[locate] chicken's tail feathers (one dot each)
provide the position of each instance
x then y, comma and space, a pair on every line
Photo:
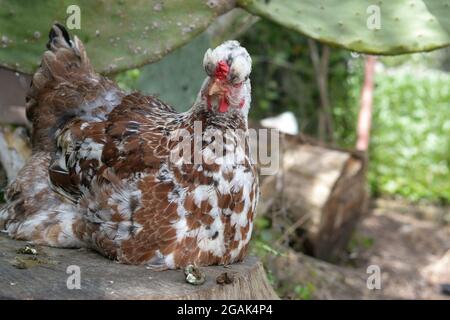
54, 91
64, 58
58, 37
69, 51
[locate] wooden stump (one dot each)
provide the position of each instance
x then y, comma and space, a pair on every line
44, 276
321, 187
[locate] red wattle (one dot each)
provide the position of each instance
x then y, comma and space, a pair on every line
223, 105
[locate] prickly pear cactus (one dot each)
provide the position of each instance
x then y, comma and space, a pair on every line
177, 82
118, 34
370, 26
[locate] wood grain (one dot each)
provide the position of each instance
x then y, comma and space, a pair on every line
105, 279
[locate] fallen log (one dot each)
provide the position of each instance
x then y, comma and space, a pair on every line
321, 190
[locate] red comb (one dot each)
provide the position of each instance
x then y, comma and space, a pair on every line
222, 70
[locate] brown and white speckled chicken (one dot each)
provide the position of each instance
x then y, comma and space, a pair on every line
103, 172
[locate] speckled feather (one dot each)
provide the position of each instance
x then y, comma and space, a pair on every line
102, 175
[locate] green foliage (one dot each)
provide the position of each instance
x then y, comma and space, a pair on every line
405, 25
283, 76
409, 153
262, 223
271, 278
119, 35
291, 290
358, 243
305, 292
128, 80
263, 238
345, 106
410, 150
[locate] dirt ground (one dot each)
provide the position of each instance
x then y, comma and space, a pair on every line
411, 245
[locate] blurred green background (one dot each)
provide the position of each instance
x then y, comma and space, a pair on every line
409, 154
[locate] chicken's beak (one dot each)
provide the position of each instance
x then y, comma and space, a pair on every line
214, 89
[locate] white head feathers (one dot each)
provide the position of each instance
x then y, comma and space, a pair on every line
236, 57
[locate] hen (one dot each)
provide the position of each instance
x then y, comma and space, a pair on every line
127, 175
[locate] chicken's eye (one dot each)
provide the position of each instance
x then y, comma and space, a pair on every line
235, 80
238, 84
209, 69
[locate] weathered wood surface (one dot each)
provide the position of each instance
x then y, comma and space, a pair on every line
101, 278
